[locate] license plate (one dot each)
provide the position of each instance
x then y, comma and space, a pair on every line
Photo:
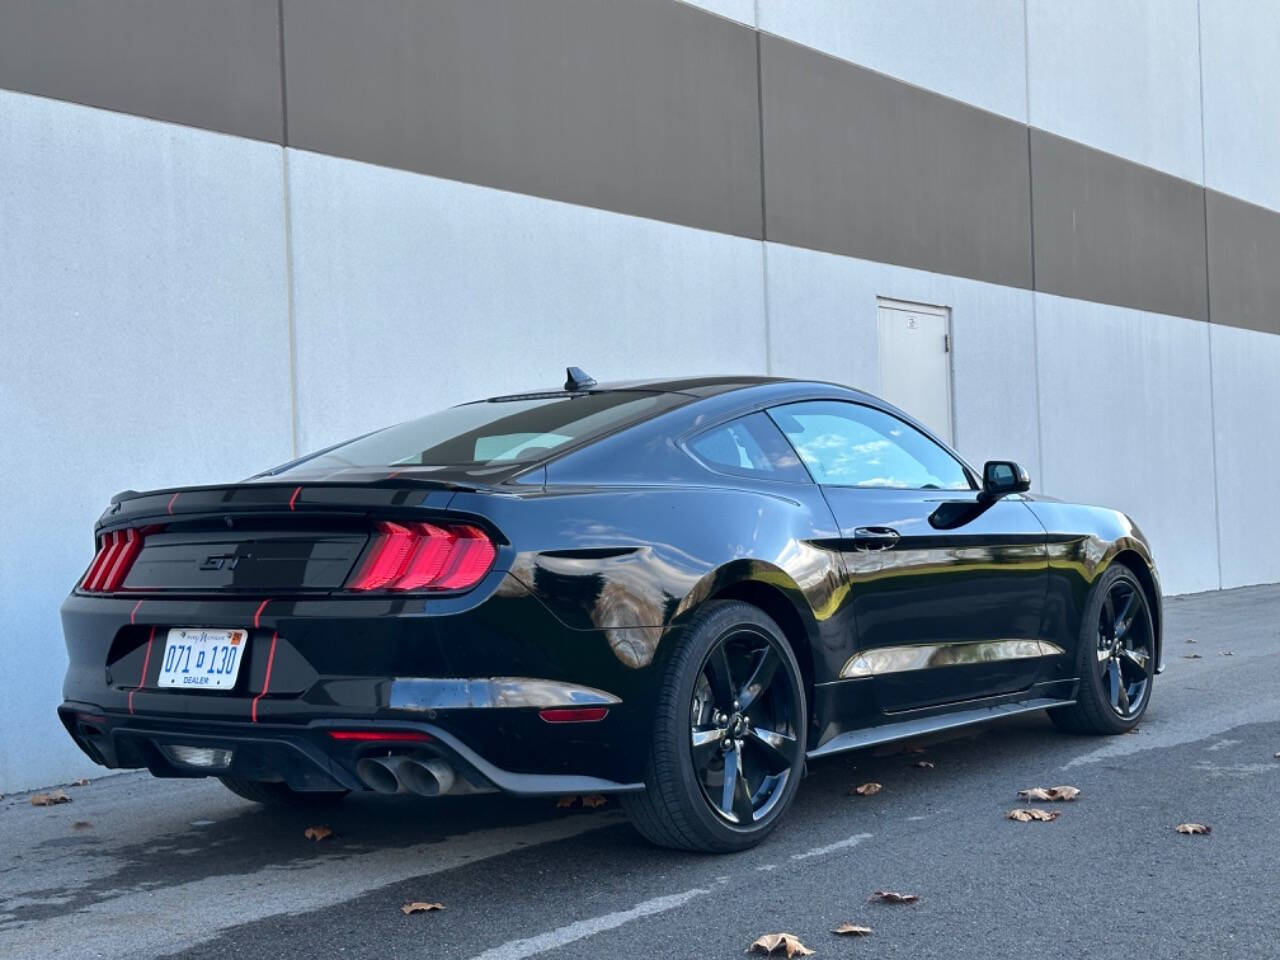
203, 659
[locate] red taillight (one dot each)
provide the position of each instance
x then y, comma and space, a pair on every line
574, 714
380, 736
116, 553
423, 556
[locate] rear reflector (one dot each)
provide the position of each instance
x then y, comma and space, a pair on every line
380, 736
574, 714
208, 758
116, 552
423, 556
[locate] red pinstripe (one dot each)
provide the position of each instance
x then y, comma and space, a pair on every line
266, 680
146, 661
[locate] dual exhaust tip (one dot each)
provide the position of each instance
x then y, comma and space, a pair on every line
424, 775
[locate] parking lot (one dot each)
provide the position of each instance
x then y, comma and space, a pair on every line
143, 868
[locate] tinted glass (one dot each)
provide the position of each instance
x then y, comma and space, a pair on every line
750, 446
496, 431
848, 444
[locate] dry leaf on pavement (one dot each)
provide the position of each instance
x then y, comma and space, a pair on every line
52, 798
82, 782
565, 802
418, 906
1051, 794
317, 833
1227, 653
852, 930
1192, 640
593, 800
868, 789
784, 944
892, 896
1192, 656
924, 765
1032, 813
1193, 828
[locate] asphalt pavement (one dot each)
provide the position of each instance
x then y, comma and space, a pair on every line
141, 868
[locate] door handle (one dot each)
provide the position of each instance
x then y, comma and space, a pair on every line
874, 538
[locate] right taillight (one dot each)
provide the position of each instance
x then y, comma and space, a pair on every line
116, 552
424, 556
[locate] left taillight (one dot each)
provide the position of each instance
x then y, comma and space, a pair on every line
424, 556
116, 552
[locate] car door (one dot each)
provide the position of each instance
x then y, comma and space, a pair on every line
947, 589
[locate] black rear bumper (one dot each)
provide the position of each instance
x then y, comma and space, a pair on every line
304, 756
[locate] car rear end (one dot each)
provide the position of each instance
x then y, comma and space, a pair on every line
293, 628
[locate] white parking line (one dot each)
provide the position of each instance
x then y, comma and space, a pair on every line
553, 939
844, 844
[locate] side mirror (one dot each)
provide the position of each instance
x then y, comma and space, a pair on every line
1002, 477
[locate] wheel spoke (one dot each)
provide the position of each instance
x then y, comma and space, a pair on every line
721, 679
742, 805
1124, 619
706, 744
1119, 689
1114, 682
776, 750
1108, 618
1139, 660
761, 678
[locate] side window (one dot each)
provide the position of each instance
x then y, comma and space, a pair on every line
750, 446
851, 445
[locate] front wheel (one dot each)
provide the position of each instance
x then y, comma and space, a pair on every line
1116, 658
727, 747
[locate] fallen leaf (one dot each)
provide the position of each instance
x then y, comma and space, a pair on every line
1051, 794
82, 782
1193, 828
565, 802
924, 765
1032, 813
317, 833
593, 800
891, 896
852, 930
868, 789
1192, 640
1132, 730
1192, 656
82, 825
1227, 653
52, 798
418, 906
787, 944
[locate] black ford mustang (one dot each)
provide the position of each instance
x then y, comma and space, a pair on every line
675, 591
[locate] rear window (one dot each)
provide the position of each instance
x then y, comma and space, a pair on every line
516, 430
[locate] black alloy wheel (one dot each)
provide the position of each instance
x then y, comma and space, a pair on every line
742, 735
1116, 658
728, 743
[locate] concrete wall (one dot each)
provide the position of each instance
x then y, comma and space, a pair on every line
190, 303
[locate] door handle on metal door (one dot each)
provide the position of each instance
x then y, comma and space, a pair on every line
874, 538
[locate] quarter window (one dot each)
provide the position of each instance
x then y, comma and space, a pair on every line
750, 446
851, 445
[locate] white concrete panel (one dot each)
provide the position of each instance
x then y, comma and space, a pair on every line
1119, 75
412, 293
744, 11
143, 343
1240, 49
1246, 412
1126, 423
970, 50
822, 323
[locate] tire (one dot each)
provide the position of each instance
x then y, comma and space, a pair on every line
1108, 703
280, 794
762, 742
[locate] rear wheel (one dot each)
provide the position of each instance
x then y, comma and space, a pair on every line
280, 794
727, 746
1116, 658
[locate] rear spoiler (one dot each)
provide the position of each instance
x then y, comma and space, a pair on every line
259, 497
